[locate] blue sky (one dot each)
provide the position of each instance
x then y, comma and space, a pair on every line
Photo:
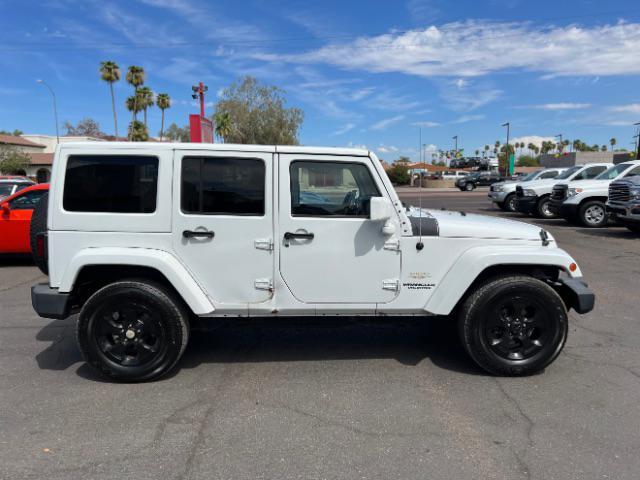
365, 72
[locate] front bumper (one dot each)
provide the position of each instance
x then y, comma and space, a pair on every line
526, 205
49, 302
624, 212
497, 197
577, 294
563, 209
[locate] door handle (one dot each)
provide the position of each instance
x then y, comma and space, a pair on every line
288, 236
304, 236
198, 234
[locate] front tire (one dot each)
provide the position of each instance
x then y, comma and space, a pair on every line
509, 204
133, 331
542, 209
513, 325
593, 214
469, 187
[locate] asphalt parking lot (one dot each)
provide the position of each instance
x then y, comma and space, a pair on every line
303, 399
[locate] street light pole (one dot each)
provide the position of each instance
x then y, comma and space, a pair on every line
55, 107
638, 142
507, 155
561, 145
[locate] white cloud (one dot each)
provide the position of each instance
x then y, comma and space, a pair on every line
479, 47
387, 149
426, 124
344, 129
382, 124
468, 118
631, 108
560, 106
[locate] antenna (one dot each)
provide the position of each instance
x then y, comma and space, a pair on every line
420, 245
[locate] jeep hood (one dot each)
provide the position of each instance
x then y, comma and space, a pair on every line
469, 225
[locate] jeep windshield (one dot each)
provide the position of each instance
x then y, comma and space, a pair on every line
614, 171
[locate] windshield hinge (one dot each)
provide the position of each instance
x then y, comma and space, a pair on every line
263, 244
544, 236
392, 244
392, 284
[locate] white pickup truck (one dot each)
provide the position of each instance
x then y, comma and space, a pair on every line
503, 194
585, 201
142, 238
534, 198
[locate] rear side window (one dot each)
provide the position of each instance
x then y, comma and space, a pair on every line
223, 186
552, 174
111, 184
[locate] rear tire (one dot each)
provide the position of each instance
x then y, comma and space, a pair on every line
39, 225
513, 325
593, 214
133, 331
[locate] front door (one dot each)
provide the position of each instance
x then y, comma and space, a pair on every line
15, 223
223, 225
330, 251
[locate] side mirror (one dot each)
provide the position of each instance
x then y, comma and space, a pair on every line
380, 209
5, 208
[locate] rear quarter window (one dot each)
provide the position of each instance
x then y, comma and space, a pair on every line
111, 183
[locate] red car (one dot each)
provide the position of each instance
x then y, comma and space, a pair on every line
15, 218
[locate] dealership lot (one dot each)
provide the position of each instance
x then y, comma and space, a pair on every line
334, 398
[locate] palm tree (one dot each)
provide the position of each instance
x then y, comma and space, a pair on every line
110, 73
133, 106
145, 98
138, 131
477, 153
223, 124
613, 142
163, 101
135, 77
486, 150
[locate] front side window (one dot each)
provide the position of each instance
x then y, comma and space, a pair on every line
567, 173
614, 171
223, 186
27, 201
635, 171
335, 189
551, 174
111, 184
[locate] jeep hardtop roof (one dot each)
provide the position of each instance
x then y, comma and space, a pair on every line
217, 147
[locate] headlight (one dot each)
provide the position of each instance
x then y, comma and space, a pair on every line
498, 189
529, 193
635, 193
573, 192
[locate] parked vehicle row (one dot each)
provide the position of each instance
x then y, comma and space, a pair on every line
590, 195
503, 194
479, 179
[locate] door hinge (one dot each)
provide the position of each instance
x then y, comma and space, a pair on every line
263, 244
263, 284
392, 244
392, 284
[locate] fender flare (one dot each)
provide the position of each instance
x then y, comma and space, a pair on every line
164, 262
477, 259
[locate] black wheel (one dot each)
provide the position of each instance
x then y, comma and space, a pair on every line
469, 187
133, 331
39, 226
542, 208
513, 326
510, 203
593, 214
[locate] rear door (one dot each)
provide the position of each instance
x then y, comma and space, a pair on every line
223, 225
331, 252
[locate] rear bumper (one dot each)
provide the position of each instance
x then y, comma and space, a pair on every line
577, 294
49, 302
526, 204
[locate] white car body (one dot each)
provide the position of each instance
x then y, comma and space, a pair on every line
498, 192
352, 266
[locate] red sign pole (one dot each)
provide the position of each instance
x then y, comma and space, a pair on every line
200, 127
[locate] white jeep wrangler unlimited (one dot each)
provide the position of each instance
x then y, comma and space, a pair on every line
141, 238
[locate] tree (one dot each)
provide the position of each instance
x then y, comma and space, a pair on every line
110, 73
603, 148
15, 133
258, 114
527, 161
178, 134
13, 161
486, 150
145, 100
163, 101
613, 142
223, 125
133, 105
399, 171
138, 131
135, 77
87, 127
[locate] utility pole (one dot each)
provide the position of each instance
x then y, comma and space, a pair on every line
55, 107
560, 145
638, 141
456, 147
